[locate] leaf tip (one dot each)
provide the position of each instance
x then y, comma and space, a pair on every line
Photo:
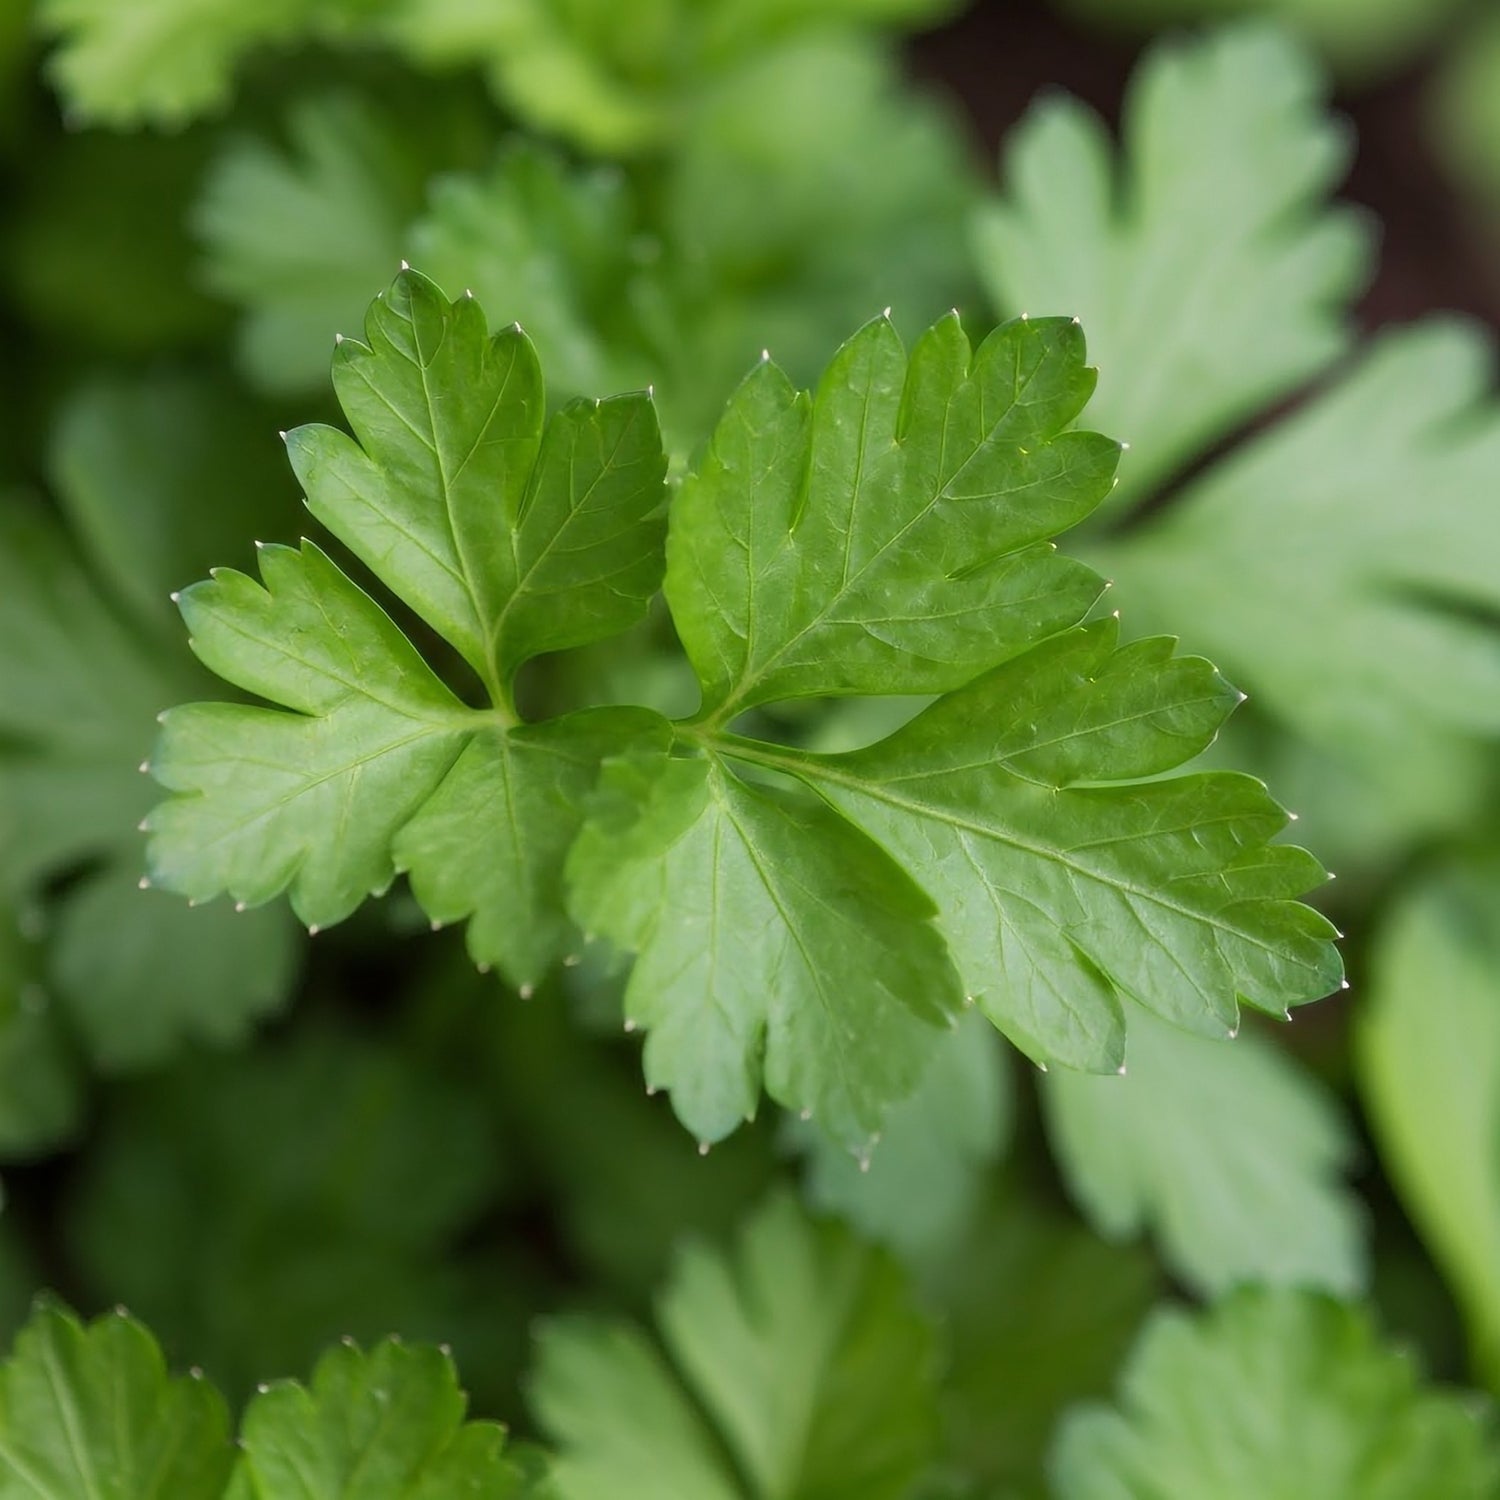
526, 991
144, 883
313, 929
703, 1148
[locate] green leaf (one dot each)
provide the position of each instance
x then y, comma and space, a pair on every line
378, 766
891, 534
1429, 1070
383, 1425
802, 1350
917, 1190
1305, 1400
92, 1411
770, 938
1211, 277
1310, 533
1061, 895
1228, 1151
108, 945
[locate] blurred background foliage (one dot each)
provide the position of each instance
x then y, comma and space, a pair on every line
1283, 240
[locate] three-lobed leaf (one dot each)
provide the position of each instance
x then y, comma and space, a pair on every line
512, 536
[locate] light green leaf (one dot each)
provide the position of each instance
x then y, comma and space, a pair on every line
1228, 1151
507, 541
1212, 278
1059, 894
1429, 1070
917, 1189
1274, 1396
91, 1411
892, 534
1362, 522
295, 233
802, 1350
770, 938
383, 1425
164, 61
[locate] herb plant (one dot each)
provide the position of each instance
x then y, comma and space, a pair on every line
701, 898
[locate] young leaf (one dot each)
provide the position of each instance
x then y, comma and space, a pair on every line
92, 1411
510, 536
507, 541
802, 1350
1274, 1393
1211, 278
383, 1425
1227, 1150
1429, 1070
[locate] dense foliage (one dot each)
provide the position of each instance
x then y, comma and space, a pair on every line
711, 896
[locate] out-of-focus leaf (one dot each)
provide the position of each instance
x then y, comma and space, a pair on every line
1228, 1151
1038, 1313
1362, 523
319, 1192
1274, 1393
164, 61
1429, 1069
1211, 277
918, 1187
298, 233
620, 80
